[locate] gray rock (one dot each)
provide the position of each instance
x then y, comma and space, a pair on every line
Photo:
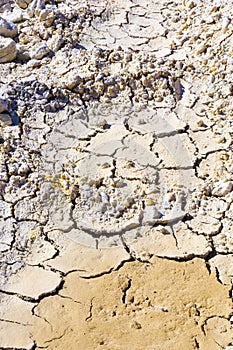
40, 51
8, 50
5, 119
7, 28
23, 53
3, 105
5, 5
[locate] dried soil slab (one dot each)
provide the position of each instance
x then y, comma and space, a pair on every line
218, 332
16, 322
161, 242
216, 165
224, 266
155, 305
87, 261
7, 229
32, 282
206, 141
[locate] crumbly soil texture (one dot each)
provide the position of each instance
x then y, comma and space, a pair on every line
116, 187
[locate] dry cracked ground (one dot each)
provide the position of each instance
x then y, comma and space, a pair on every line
116, 188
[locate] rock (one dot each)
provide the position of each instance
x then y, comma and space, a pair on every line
5, 5
15, 16
163, 52
23, 53
47, 16
71, 80
3, 105
23, 3
35, 7
7, 29
40, 51
222, 188
55, 42
5, 119
33, 64
8, 50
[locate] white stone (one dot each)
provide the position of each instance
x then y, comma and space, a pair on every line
15, 16
163, 52
150, 213
8, 50
222, 188
55, 42
47, 16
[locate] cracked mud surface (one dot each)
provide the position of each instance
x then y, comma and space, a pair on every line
144, 312
116, 165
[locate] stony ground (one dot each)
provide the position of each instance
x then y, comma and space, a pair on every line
116, 190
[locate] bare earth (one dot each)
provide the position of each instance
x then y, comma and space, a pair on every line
116, 190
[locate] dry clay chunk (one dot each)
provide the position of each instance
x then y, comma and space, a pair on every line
8, 50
